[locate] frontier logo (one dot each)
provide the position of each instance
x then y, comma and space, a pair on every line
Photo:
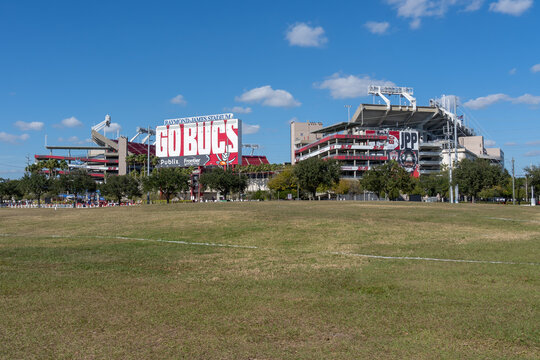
192, 162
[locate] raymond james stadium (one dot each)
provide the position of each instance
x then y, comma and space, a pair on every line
422, 139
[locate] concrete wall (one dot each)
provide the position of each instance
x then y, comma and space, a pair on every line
122, 153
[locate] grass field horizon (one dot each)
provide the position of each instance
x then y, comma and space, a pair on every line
271, 280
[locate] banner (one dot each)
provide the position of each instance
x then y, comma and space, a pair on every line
206, 143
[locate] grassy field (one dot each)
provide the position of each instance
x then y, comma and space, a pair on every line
95, 283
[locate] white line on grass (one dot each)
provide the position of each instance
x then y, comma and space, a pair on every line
180, 242
255, 247
431, 259
507, 219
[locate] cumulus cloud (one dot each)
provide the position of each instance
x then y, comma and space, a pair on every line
511, 7
25, 126
301, 34
375, 27
415, 10
268, 97
238, 110
535, 68
349, 86
532, 153
510, 143
11, 138
249, 129
526, 99
512, 71
533, 143
474, 5
485, 101
70, 122
114, 127
178, 100
489, 143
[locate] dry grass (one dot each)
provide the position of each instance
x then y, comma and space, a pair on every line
69, 288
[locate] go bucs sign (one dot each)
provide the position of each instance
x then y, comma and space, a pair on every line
199, 141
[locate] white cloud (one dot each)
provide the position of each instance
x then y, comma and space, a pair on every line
532, 153
25, 126
268, 97
533, 143
249, 129
238, 109
510, 143
74, 139
301, 34
511, 7
489, 143
178, 100
527, 99
474, 5
377, 27
60, 139
535, 68
415, 10
485, 101
349, 86
512, 71
11, 138
69, 122
114, 127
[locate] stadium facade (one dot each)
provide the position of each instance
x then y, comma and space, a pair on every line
421, 138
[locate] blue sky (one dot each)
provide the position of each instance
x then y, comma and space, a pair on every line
65, 65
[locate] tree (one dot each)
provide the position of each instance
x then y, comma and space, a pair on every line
224, 181
169, 181
473, 176
284, 181
314, 172
388, 179
77, 182
36, 183
533, 176
433, 184
119, 186
10, 189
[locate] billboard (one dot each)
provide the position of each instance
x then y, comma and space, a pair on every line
199, 141
402, 147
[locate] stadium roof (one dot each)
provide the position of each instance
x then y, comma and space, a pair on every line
429, 120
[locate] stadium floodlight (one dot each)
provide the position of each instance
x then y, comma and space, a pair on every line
381, 91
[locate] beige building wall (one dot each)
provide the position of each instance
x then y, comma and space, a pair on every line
122, 153
474, 144
301, 134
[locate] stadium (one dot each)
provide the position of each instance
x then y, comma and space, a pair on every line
421, 138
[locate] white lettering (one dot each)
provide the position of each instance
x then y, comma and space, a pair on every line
231, 136
190, 141
218, 147
204, 131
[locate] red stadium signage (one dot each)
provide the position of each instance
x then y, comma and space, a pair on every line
205, 143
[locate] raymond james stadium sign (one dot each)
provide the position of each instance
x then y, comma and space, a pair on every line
195, 119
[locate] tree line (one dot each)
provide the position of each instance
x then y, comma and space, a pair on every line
477, 179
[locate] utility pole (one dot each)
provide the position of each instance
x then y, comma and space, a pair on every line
513, 185
456, 198
451, 190
348, 113
148, 164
